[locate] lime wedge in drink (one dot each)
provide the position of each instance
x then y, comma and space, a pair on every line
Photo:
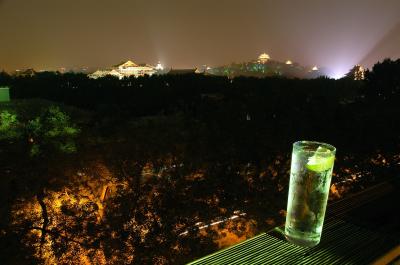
321, 160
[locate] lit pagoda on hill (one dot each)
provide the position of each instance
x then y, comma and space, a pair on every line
263, 58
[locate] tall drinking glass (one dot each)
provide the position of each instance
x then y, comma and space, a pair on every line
310, 178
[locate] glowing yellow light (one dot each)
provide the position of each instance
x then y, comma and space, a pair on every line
289, 62
315, 68
263, 58
359, 72
159, 67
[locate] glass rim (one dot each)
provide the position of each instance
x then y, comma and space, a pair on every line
312, 146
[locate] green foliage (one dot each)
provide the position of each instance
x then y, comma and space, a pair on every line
68, 147
34, 126
9, 126
58, 124
35, 150
50, 131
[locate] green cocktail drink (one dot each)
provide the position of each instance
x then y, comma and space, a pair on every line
310, 178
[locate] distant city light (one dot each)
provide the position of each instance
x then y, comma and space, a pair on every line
289, 62
201, 226
159, 66
315, 68
338, 73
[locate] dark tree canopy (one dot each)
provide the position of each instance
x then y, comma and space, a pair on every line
131, 171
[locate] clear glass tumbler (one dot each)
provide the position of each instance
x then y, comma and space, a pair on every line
310, 178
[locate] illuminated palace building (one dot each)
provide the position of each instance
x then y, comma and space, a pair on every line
127, 69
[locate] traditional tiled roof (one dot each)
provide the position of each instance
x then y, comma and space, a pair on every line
128, 63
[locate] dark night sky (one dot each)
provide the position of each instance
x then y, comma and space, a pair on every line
47, 34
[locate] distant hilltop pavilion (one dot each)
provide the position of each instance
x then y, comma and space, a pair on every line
263, 58
265, 66
127, 69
